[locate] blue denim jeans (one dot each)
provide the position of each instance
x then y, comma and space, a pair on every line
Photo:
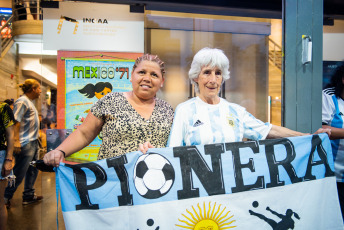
22, 168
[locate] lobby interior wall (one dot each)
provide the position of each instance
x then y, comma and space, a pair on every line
333, 38
7, 76
176, 40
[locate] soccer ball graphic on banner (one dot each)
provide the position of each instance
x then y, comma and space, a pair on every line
153, 175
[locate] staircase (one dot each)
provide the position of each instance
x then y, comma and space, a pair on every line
275, 54
26, 19
275, 82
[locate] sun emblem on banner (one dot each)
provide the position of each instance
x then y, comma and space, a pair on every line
207, 218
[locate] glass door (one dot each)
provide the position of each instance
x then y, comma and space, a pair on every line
253, 46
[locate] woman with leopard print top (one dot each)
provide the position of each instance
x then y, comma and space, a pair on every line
125, 119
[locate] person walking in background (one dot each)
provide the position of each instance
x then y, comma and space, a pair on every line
6, 156
332, 117
26, 145
9, 102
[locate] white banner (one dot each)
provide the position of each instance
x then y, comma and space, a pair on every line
93, 27
287, 183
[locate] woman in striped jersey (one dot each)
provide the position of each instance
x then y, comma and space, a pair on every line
332, 117
208, 119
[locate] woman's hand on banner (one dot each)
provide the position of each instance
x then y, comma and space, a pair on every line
145, 146
323, 130
54, 157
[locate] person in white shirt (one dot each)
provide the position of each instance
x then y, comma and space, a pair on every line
332, 117
26, 146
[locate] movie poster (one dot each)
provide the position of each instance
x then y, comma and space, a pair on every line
86, 80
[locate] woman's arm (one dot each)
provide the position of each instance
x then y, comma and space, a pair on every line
16, 141
80, 138
336, 133
279, 132
9, 152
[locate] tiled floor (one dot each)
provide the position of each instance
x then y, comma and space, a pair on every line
38, 216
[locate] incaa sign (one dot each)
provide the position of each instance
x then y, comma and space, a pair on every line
154, 175
95, 20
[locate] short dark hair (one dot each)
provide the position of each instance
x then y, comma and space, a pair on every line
336, 81
152, 58
9, 101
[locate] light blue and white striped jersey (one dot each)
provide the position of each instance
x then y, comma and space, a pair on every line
332, 115
197, 123
26, 113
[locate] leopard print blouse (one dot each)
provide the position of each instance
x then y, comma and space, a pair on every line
124, 129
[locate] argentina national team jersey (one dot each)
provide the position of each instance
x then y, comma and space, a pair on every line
197, 122
26, 113
332, 115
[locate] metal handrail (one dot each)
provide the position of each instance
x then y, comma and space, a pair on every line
276, 53
275, 44
27, 10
